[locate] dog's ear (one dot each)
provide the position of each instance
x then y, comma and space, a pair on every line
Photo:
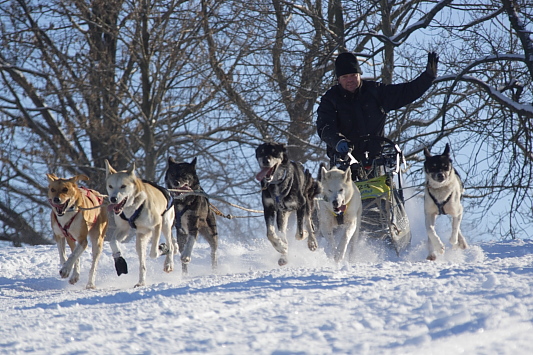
80, 177
321, 168
323, 173
51, 178
171, 161
193, 162
285, 159
348, 175
446, 150
109, 169
427, 154
131, 170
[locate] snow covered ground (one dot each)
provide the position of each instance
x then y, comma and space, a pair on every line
478, 301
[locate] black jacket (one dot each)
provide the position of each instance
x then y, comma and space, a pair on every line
343, 115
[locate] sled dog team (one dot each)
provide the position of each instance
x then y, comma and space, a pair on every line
151, 210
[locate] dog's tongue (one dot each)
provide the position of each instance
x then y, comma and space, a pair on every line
341, 209
60, 209
111, 207
261, 175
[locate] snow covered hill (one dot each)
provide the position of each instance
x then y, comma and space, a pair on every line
479, 301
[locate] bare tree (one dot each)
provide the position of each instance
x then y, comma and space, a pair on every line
141, 80
88, 81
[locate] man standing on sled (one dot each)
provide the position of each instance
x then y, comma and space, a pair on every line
356, 107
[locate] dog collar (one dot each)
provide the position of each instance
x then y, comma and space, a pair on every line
339, 217
133, 217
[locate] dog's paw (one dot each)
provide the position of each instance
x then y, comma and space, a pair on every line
312, 244
185, 259
432, 257
301, 236
90, 286
168, 268
64, 272
280, 246
120, 265
283, 260
75, 278
139, 284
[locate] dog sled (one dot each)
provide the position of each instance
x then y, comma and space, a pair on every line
380, 182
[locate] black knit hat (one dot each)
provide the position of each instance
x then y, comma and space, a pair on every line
346, 63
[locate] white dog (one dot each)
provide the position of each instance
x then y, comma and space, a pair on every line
339, 210
145, 207
443, 192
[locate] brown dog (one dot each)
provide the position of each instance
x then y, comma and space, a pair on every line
75, 214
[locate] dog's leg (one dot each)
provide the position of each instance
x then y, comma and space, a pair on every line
346, 237
168, 218
141, 244
97, 244
312, 243
212, 238
456, 223
434, 243
301, 233
181, 238
73, 261
326, 230
282, 222
457, 240
192, 222
156, 235
61, 248
461, 240
355, 239
277, 243
120, 233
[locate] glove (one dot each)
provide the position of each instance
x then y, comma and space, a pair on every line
342, 147
433, 61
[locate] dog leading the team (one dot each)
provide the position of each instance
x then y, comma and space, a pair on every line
443, 192
77, 214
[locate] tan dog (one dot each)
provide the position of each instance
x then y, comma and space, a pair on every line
73, 219
145, 207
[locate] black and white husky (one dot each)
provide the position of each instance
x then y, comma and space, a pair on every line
443, 192
286, 188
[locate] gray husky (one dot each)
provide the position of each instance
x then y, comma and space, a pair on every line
443, 192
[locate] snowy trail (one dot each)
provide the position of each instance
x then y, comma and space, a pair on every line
478, 301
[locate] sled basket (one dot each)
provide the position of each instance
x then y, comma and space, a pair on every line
374, 188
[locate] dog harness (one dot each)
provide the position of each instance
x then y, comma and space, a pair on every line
137, 213
66, 227
134, 216
440, 205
